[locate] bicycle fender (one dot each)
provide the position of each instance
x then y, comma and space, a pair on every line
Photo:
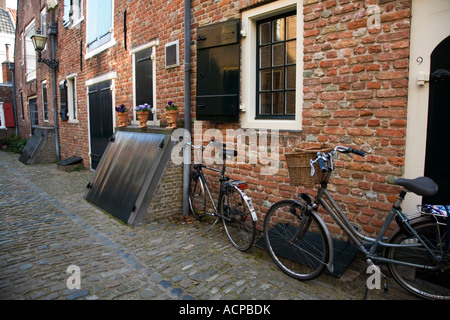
249, 201
330, 265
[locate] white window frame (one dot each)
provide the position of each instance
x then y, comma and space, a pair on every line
43, 98
72, 108
30, 30
44, 22
112, 42
248, 66
153, 45
2, 117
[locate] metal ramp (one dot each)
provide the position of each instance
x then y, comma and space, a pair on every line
128, 174
40, 148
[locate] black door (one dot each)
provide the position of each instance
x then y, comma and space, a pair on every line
438, 133
34, 119
100, 119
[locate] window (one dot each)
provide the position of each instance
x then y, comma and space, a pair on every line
44, 22
144, 74
73, 12
276, 67
272, 55
30, 54
72, 98
45, 100
99, 26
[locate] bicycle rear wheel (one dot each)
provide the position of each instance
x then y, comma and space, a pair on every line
296, 240
237, 219
423, 282
197, 197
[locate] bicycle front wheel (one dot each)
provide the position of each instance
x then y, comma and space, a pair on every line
296, 240
197, 197
432, 281
237, 219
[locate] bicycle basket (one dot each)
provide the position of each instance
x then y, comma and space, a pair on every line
299, 166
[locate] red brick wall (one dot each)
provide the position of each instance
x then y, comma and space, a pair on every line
355, 89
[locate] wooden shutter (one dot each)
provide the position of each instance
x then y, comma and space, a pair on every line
218, 72
9, 115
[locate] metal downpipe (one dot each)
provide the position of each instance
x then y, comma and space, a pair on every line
187, 100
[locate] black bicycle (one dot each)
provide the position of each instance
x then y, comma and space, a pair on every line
234, 207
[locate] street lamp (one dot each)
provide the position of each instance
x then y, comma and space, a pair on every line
39, 41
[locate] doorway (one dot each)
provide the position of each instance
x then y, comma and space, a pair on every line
100, 119
438, 134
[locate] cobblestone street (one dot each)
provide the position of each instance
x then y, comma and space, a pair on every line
46, 226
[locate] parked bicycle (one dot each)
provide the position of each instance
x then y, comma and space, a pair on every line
416, 253
234, 207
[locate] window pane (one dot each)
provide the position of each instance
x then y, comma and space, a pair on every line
290, 102
278, 103
278, 54
265, 79
264, 56
291, 27
264, 103
291, 52
278, 79
290, 77
264, 33
278, 30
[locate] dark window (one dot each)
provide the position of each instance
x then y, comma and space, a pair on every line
144, 78
44, 100
276, 67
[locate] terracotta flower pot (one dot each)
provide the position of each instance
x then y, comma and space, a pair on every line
122, 116
172, 116
143, 118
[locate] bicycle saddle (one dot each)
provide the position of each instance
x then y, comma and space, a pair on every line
421, 186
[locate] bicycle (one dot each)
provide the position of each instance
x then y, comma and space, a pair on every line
416, 253
234, 207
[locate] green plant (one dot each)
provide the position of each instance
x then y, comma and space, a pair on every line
171, 106
16, 143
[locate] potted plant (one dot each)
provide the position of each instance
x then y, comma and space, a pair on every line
143, 112
122, 115
171, 115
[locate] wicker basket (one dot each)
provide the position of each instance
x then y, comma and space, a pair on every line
299, 166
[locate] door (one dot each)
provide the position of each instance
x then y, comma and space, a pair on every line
438, 134
100, 119
34, 119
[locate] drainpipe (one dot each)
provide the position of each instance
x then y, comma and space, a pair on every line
12, 68
53, 31
187, 100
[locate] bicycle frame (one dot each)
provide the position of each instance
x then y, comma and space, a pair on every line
360, 239
205, 184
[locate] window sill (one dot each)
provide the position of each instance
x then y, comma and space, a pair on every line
100, 49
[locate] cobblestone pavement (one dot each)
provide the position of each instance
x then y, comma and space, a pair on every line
47, 226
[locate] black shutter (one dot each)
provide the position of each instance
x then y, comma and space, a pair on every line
63, 97
218, 72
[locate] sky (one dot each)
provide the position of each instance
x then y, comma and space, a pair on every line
11, 4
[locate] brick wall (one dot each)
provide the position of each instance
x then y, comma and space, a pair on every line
167, 200
354, 79
355, 93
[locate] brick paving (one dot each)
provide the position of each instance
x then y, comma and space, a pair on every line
47, 226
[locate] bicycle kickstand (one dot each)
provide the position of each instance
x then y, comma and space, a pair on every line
217, 219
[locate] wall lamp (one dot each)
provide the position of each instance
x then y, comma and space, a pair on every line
39, 41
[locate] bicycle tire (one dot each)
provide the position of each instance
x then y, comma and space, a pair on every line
424, 283
197, 197
237, 219
303, 257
